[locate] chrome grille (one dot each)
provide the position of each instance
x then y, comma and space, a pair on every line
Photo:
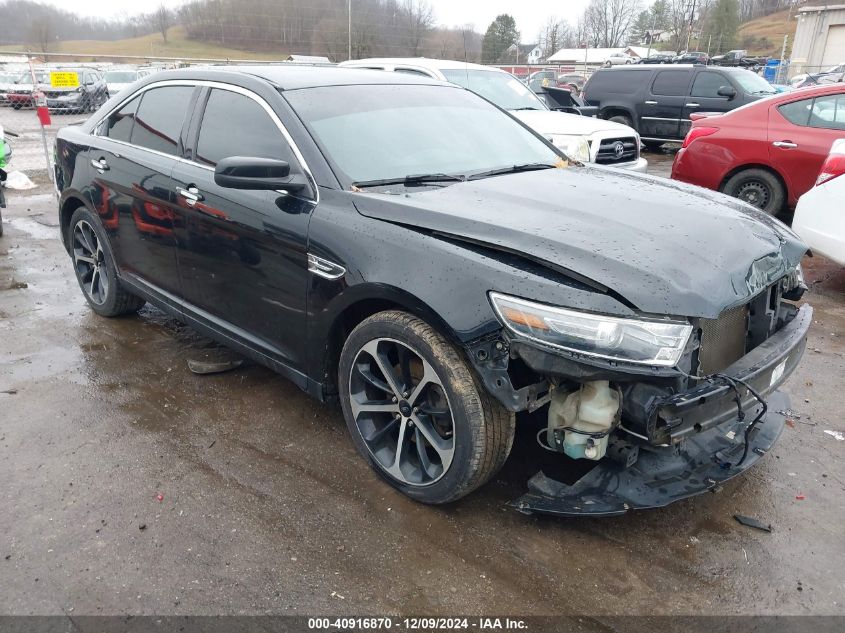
723, 340
608, 154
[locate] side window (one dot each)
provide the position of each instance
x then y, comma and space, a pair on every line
829, 112
707, 84
235, 125
119, 125
159, 119
797, 112
671, 83
410, 71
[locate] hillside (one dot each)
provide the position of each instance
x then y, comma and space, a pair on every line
153, 45
764, 36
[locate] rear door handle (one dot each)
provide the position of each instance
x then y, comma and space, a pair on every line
692, 105
651, 102
192, 195
785, 144
100, 165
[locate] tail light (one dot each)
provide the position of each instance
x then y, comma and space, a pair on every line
698, 132
834, 166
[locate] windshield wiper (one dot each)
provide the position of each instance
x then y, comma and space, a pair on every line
411, 180
524, 108
512, 170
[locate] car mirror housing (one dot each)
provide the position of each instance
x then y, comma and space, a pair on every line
727, 91
241, 172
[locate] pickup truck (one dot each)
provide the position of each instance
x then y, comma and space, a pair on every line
739, 58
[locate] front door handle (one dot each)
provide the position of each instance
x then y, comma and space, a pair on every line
785, 144
692, 105
100, 165
192, 195
651, 102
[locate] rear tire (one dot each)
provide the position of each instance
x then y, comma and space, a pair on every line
621, 118
653, 146
95, 270
430, 377
759, 188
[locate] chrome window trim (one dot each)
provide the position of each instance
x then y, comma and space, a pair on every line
222, 86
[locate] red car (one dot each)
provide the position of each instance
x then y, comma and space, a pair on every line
767, 153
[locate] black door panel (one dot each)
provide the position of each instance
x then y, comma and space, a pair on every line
661, 111
242, 254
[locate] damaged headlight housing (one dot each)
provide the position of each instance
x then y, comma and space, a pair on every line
575, 147
657, 342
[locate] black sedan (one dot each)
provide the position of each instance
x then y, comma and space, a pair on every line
405, 247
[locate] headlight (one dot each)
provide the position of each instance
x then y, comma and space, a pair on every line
576, 147
658, 342
80, 89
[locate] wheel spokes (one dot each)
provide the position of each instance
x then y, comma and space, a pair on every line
445, 448
400, 409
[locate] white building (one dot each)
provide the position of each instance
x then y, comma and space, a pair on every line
819, 38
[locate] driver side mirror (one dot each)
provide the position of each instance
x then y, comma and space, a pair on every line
240, 172
727, 91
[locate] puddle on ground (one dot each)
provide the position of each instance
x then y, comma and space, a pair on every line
34, 229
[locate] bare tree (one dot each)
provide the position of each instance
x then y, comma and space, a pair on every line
609, 21
162, 19
556, 34
418, 18
42, 32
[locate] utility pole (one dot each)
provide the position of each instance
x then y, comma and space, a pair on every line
349, 40
781, 69
691, 19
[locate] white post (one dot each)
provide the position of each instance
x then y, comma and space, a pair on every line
779, 75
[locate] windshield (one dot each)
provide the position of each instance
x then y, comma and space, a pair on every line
380, 132
121, 76
505, 90
751, 83
40, 77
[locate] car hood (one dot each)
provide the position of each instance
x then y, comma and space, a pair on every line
664, 247
548, 122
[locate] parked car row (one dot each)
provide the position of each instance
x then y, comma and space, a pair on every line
433, 262
90, 89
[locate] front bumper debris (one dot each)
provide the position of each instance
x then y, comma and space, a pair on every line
661, 475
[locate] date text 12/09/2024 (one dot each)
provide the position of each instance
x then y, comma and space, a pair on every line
417, 624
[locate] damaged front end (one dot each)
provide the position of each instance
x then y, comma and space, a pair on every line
678, 407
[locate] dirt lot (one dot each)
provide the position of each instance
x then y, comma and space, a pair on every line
130, 485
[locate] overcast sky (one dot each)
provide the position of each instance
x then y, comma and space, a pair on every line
530, 15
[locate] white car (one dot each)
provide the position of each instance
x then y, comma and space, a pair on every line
819, 219
587, 139
119, 78
618, 59
797, 79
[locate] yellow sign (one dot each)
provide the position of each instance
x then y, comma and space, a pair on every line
64, 80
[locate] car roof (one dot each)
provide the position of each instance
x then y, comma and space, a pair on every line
296, 76
423, 62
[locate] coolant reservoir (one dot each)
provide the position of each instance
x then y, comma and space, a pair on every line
592, 409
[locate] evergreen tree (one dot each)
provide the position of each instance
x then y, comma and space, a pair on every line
500, 35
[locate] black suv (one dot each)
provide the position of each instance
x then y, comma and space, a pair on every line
658, 101
437, 284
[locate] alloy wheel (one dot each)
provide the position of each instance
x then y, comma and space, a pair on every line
755, 193
402, 412
89, 262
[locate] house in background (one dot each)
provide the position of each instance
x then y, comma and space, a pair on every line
522, 54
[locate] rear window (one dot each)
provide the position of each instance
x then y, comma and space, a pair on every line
671, 83
119, 125
160, 116
828, 112
797, 112
615, 82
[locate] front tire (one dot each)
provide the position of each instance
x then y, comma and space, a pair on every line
95, 270
759, 188
416, 412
